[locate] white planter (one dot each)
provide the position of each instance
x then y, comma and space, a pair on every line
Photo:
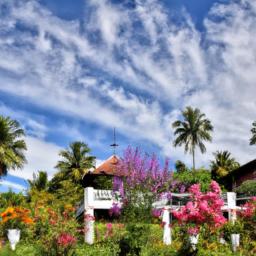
13, 237
193, 239
222, 240
235, 241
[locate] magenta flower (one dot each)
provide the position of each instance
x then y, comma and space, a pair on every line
203, 207
115, 211
66, 240
193, 231
156, 213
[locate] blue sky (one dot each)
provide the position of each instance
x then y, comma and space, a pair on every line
73, 70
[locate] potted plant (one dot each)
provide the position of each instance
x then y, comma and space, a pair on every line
233, 230
13, 220
193, 232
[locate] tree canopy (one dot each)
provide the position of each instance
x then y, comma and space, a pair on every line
12, 145
192, 131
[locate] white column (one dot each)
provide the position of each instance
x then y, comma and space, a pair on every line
167, 230
89, 215
89, 226
231, 198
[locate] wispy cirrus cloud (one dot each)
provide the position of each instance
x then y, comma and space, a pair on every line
136, 68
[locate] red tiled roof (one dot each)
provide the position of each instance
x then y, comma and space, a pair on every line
107, 167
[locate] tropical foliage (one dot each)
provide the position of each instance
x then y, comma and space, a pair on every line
75, 162
192, 131
39, 182
222, 165
12, 145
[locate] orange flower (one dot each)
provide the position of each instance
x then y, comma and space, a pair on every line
8, 211
27, 220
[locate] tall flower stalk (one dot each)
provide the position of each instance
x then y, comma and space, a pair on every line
143, 182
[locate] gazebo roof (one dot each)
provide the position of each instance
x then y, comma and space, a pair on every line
108, 167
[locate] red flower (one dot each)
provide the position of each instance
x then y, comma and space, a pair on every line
66, 240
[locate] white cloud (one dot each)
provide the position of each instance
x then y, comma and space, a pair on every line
40, 155
12, 185
174, 65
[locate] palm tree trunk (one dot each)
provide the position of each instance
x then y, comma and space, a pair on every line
193, 154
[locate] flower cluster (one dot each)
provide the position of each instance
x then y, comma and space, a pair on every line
249, 209
15, 217
115, 210
203, 207
156, 213
66, 240
109, 231
142, 170
193, 231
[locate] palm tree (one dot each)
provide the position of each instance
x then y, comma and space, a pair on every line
192, 131
12, 146
223, 164
39, 181
76, 161
253, 131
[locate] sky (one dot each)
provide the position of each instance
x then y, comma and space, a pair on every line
73, 70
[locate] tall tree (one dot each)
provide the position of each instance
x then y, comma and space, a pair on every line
192, 131
253, 131
223, 164
75, 162
39, 181
180, 166
12, 145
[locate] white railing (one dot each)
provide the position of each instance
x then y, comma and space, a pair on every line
99, 194
105, 199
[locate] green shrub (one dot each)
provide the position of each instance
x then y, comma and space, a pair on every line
247, 188
99, 249
188, 178
21, 250
136, 237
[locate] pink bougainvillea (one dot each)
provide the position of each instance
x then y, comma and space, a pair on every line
249, 209
203, 207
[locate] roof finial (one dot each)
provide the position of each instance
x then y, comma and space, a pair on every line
114, 145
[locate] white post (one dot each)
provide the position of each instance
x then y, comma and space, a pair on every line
231, 198
167, 230
89, 215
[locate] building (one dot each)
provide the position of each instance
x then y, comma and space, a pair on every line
243, 173
102, 176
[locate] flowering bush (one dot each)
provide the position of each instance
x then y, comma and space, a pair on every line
15, 217
115, 210
65, 243
248, 217
249, 209
203, 208
143, 183
55, 230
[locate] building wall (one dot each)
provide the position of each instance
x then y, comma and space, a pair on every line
249, 175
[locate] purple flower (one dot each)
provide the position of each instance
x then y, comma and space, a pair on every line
156, 213
115, 211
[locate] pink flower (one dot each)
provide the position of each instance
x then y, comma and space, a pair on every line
156, 213
193, 231
66, 240
109, 231
215, 187
203, 207
195, 190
